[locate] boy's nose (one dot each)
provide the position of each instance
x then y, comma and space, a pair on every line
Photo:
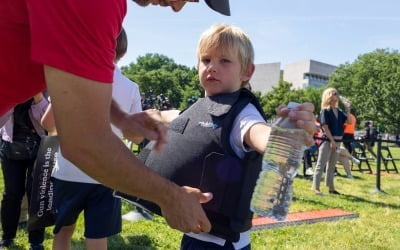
211, 68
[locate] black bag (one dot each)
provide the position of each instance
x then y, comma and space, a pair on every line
41, 211
18, 150
26, 141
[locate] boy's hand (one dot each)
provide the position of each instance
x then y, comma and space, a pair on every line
304, 117
183, 210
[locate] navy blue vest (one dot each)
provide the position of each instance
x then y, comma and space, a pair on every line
198, 154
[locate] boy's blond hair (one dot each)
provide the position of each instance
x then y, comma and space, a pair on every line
326, 98
228, 38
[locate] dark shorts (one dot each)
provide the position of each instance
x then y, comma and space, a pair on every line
189, 243
102, 211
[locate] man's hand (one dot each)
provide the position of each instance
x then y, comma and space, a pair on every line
147, 123
182, 210
303, 116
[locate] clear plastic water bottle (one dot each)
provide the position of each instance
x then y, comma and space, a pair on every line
345, 101
273, 192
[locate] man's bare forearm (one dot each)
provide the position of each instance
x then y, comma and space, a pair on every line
117, 115
110, 162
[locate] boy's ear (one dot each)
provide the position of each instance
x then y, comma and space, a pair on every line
249, 73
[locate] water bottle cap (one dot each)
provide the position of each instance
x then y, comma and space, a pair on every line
292, 105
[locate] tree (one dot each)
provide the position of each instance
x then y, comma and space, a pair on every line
372, 83
283, 94
163, 76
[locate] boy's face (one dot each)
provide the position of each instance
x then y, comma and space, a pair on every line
221, 72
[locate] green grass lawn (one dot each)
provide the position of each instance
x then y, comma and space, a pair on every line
378, 225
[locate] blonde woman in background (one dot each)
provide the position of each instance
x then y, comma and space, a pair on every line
332, 122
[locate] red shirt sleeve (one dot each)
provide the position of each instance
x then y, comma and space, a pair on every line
76, 36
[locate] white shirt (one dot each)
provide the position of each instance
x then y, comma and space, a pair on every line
126, 94
243, 122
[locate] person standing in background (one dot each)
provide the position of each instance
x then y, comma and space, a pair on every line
369, 137
349, 130
20, 140
332, 120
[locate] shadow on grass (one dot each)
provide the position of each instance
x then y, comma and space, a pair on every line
340, 175
131, 242
135, 242
378, 204
348, 197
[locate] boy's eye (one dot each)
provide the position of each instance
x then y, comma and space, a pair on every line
224, 60
205, 60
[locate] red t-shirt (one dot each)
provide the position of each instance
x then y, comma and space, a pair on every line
72, 35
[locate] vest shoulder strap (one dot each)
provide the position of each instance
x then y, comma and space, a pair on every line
245, 97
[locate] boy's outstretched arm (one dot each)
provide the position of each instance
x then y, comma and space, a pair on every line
257, 136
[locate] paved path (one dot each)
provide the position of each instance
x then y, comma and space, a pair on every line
303, 217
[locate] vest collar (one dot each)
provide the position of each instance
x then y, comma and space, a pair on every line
219, 105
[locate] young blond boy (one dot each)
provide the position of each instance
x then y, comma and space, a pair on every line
198, 154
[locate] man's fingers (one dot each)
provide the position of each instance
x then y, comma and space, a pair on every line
307, 106
150, 134
153, 128
205, 197
204, 226
185, 213
161, 136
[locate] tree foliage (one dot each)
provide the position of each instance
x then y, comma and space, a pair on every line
283, 94
163, 76
372, 83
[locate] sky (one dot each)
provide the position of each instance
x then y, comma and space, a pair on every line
285, 31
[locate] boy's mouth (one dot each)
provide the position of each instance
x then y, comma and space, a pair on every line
211, 79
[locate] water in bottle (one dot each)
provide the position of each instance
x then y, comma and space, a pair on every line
345, 101
273, 192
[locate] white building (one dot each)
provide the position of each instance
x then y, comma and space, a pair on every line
301, 74
265, 77
308, 73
